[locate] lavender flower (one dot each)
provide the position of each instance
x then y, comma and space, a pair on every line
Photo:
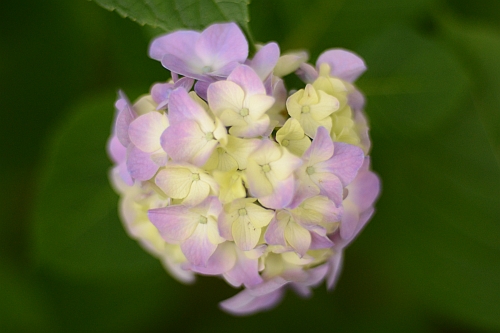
220, 181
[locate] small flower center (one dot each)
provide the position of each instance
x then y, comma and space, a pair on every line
285, 143
310, 170
209, 136
206, 69
244, 112
195, 176
242, 212
306, 109
203, 220
266, 168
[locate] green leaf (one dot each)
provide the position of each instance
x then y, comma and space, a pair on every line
177, 14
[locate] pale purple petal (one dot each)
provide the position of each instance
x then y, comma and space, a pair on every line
223, 72
124, 174
343, 64
116, 150
225, 223
123, 120
244, 303
145, 131
223, 259
247, 79
182, 67
161, 91
282, 195
365, 188
182, 107
201, 88
320, 242
181, 43
220, 44
329, 185
139, 164
185, 83
321, 148
301, 290
268, 286
245, 271
363, 219
178, 271
275, 233
307, 73
265, 60
316, 275
345, 162
350, 220
198, 247
334, 269
356, 100
175, 223
185, 142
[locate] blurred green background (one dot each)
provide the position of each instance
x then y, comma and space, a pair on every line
429, 261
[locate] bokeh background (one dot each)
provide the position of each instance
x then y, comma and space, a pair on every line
429, 261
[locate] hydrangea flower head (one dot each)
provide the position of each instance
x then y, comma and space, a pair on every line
239, 178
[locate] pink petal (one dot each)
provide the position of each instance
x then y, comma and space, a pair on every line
145, 131
198, 248
343, 64
185, 142
282, 195
175, 223
245, 271
247, 79
275, 233
139, 164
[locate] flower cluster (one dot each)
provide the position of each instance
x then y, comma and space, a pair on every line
223, 172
